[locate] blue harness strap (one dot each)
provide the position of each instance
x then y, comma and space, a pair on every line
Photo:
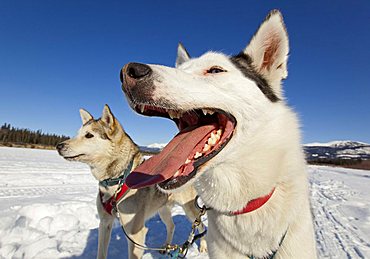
114, 181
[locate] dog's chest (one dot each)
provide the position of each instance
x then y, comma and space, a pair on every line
248, 235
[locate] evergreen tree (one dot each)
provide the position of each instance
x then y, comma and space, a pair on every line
10, 134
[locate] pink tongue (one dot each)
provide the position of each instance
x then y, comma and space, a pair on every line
163, 166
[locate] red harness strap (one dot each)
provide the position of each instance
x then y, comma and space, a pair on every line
108, 204
254, 204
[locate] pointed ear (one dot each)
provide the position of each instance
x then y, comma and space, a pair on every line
107, 116
85, 116
182, 55
269, 50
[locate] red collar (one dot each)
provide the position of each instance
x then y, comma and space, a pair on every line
109, 204
254, 204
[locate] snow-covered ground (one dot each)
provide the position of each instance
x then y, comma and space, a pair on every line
341, 206
47, 210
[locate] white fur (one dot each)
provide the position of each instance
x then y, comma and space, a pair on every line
264, 152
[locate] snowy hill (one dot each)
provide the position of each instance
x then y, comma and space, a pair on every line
152, 148
157, 145
337, 150
338, 143
47, 210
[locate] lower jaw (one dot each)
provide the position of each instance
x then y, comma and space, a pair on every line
75, 158
176, 183
71, 159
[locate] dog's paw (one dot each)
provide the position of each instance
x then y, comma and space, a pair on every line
203, 246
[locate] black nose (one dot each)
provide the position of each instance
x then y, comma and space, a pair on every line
137, 71
60, 145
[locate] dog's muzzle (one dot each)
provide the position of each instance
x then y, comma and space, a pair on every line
132, 73
60, 146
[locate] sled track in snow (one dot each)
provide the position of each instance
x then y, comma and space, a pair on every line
34, 191
336, 236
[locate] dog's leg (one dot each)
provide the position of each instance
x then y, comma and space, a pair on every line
203, 242
192, 212
139, 237
137, 231
166, 217
105, 230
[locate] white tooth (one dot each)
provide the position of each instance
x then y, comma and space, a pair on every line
176, 174
206, 148
197, 155
187, 161
170, 113
173, 114
216, 136
142, 108
219, 132
207, 111
212, 140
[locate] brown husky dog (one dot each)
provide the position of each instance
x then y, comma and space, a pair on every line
109, 151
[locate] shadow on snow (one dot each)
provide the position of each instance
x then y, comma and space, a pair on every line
155, 238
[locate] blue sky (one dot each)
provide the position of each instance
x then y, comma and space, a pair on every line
59, 56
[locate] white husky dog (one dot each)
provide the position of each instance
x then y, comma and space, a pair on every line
239, 144
111, 154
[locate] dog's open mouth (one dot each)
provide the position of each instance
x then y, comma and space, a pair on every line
203, 134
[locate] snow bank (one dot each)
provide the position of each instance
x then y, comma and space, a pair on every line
47, 210
47, 230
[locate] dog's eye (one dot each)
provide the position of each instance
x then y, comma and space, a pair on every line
89, 135
215, 70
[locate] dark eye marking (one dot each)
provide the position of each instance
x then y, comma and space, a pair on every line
105, 136
215, 70
89, 135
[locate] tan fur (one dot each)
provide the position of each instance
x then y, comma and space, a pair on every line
108, 156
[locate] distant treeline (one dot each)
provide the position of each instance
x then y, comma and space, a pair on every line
356, 163
335, 161
12, 135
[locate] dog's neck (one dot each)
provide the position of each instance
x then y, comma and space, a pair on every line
121, 157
